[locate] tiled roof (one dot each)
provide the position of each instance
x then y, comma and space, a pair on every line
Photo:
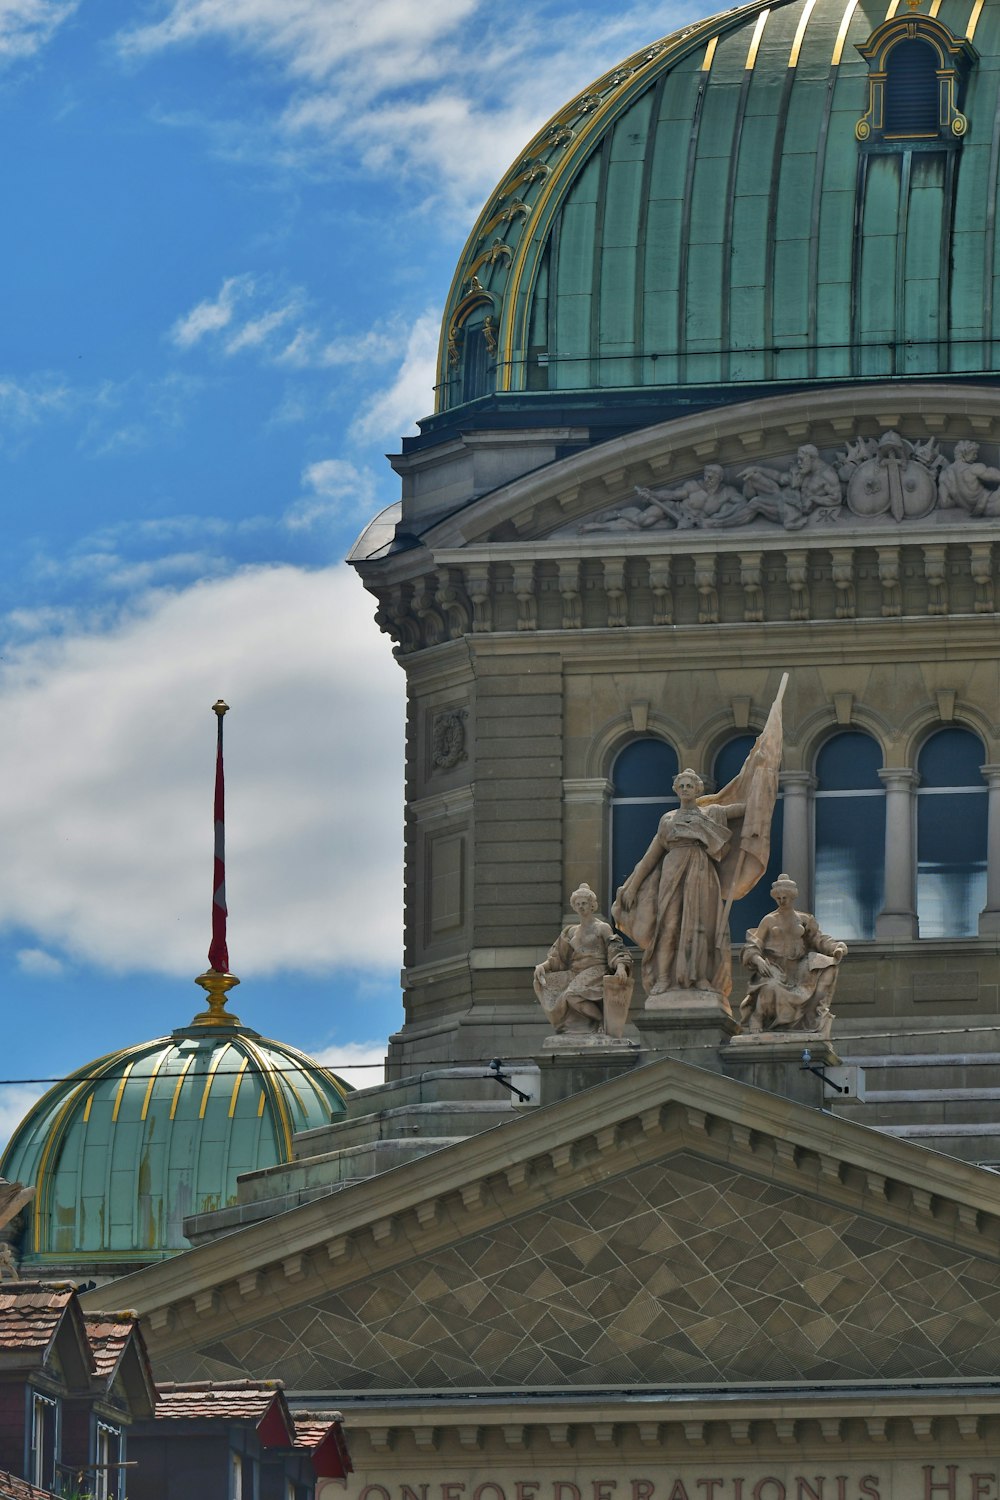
12, 1488
236, 1399
108, 1334
30, 1312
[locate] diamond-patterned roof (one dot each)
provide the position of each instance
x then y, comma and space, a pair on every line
684, 1269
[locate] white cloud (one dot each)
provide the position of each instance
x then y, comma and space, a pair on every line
26, 26
335, 491
359, 1063
25, 404
15, 1101
446, 92
38, 964
213, 314
107, 849
391, 411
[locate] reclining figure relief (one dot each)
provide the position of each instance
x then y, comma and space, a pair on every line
885, 479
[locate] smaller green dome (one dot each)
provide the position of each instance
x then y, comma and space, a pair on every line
127, 1147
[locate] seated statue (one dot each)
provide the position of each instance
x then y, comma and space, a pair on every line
585, 984
792, 969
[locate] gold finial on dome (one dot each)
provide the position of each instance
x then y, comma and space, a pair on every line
216, 986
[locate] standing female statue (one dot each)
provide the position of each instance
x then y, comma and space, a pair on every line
706, 853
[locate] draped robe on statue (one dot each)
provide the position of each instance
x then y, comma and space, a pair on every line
709, 855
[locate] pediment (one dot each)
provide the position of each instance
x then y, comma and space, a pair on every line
672, 1226
885, 463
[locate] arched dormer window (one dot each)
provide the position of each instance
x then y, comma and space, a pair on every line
642, 778
916, 76
911, 89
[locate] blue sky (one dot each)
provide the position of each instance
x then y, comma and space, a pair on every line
229, 226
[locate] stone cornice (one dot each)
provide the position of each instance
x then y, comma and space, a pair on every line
777, 1423
664, 1107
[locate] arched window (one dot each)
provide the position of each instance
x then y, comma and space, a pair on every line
849, 835
748, 912
911, 89
951, 834
642, 778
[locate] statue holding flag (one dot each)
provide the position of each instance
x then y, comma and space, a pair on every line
706, 854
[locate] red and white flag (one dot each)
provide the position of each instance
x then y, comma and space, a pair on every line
218, 953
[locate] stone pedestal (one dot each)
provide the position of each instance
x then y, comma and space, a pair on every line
569, 1063
688, 1025
773, 1061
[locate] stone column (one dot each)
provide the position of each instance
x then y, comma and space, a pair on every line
989, 917
795, 841
898, 917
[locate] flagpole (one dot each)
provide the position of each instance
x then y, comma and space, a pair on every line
217, 981
218, 951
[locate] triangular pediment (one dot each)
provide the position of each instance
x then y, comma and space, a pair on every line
671, 1226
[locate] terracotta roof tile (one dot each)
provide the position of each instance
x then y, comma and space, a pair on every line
108, 1334
30, 1312
205, 1399
12, 1488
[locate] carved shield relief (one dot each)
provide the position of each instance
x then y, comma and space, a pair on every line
892, 483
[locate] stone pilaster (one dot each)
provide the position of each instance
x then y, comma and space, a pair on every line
898, 917
989, 917
796, 854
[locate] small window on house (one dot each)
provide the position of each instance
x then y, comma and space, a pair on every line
107, 1463
911, 90
236, 1477
44, 1421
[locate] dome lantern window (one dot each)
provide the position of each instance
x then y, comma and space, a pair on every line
916, 78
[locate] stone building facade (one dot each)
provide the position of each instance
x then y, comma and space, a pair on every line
717, 401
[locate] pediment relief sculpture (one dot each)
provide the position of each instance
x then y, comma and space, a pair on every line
869, 480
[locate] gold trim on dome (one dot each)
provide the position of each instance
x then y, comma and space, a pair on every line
709, 58
236, 1086
845, 26
152, 1079
800, 32
977, 11
121, 1090
266, 1071
210, 1079
95, 1074
673, 48
87, 1107
755, 40
180, 1084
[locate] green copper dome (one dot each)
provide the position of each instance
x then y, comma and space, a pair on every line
123, 1150
739, 203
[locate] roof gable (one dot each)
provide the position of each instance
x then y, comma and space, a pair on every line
671, 1226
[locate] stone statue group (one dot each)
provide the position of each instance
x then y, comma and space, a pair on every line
874, 478
706, 853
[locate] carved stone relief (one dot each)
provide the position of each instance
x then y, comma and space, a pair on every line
448, 739
874, 480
